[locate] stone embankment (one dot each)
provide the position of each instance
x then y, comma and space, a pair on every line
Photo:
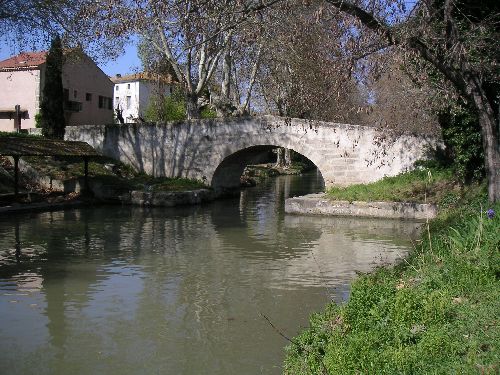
320, 204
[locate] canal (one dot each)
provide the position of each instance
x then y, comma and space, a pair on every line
128, 290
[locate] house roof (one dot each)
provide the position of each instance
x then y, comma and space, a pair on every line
144, 76
24, 61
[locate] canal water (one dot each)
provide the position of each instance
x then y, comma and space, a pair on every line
127, 290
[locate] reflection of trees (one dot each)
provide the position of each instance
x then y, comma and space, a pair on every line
255, 225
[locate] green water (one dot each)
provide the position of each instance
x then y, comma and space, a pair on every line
126, 290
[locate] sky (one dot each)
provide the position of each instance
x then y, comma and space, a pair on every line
128, 62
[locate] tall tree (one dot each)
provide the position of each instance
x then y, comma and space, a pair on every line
190, 34
52, 108
458, 39
303, 71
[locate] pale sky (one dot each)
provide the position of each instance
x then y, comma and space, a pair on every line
127, 63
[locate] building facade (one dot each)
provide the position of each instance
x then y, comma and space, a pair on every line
87, 90
133, 92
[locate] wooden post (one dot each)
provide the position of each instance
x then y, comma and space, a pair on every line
16, 176
17, 118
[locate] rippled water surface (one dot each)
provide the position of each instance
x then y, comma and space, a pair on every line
126, 290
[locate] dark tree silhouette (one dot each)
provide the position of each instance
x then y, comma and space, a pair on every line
52, 107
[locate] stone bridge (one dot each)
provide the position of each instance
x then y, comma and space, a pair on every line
217, 151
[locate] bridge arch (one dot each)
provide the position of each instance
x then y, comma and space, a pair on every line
216, 149
229, 170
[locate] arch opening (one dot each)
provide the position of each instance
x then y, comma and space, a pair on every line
228, 173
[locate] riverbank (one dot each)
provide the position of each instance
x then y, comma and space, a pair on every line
435, 313
134, 198
49, 183
320, 204
412, 195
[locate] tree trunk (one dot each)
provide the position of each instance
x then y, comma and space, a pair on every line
280, 162
491, 157
192, 109
288, 158
490, 135
226, 73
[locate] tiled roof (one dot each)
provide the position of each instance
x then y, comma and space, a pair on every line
24, 61
144, 76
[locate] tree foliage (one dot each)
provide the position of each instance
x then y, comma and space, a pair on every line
166, 108
52, 119
463, 141
459, 40
31, 23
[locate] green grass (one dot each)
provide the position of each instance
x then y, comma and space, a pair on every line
421, 185
436, 313
18, 135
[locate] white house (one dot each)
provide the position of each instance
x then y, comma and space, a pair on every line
133, 92
87, 90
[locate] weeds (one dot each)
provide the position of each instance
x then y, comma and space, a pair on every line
419, 185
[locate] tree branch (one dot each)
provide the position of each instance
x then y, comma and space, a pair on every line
366, 18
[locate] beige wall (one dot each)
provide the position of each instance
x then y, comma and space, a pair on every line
23, 88
82, 75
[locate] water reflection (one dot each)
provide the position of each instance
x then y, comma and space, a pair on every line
121, 290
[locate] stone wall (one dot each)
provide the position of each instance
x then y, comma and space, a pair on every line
217, 151
320, 204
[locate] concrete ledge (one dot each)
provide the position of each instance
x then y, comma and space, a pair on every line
319, 204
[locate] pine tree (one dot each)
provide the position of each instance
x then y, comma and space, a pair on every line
51, 110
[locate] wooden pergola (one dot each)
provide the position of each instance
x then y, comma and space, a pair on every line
17, 147
17, 114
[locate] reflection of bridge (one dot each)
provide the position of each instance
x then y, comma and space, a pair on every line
218, 150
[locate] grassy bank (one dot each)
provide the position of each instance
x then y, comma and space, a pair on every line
436, 313
433, 185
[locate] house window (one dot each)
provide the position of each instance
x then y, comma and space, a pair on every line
101, 101
128, 86
88, 97
75, 94
117, 99
117, 87
110, 103
129, 99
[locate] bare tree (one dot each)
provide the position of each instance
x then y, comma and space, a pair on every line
457, 39
33, 23
238, 73
398, 101
303, 70
190, 34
